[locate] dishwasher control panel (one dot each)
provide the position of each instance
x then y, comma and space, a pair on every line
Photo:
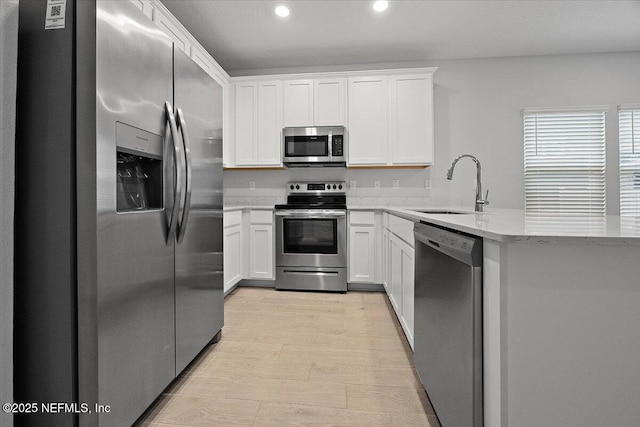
453, 242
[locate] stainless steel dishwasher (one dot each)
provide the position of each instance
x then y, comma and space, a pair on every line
448, 323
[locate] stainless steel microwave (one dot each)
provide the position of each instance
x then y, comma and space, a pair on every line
314, 146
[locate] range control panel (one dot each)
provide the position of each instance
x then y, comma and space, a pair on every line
333, 187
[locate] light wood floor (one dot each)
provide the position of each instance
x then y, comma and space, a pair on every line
300, 359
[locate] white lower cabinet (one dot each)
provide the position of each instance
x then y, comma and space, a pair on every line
232, 256
408, 286
395, 274
362, 247
399, 256
385, 259
261, 245
232, 240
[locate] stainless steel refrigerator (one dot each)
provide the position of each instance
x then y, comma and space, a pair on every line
119, 263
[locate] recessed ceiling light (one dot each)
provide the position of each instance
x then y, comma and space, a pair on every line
380, 5
282, 11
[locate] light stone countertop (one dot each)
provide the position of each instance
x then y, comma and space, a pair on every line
513, 225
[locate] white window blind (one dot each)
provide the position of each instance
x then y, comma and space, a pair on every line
564, 161
629, 136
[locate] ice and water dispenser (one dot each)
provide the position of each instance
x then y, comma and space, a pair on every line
139, 169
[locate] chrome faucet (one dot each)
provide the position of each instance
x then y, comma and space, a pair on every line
480, 202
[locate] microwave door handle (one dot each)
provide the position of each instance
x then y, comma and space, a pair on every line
182, 225
177, 171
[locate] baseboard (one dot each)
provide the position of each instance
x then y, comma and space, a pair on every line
253, 283
231, 289
368, 287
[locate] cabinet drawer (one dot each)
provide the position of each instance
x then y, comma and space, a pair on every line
232, 218
403, 228
361, 218
261, 217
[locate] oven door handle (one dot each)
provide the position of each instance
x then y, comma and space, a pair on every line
315, 215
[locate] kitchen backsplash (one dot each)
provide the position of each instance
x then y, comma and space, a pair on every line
269, 187
404, 197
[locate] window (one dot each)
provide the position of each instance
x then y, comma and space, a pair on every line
629, 136
564, 161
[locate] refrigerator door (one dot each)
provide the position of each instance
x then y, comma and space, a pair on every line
199, 261
135, 264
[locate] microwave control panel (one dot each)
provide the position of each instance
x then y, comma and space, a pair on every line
337, 145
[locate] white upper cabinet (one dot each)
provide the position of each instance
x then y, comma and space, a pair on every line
411, 114
318, 102
298, 103
391, 120
258, 123
246, 117
329, 102
269, 123
367, 128
388, 115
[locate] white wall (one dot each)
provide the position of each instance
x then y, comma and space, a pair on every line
478, 104
8, 59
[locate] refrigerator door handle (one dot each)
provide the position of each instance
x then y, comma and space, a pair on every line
177, 168
182, 125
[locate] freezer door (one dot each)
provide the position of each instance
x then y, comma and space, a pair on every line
199, 263
135, 264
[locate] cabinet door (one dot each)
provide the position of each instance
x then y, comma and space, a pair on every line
298, 103
232, 256
385, 259
246, 109
407, 291
361, 254
395, 275
269, 123
329, 100
173, 30
261, 253
411, 112
368, 130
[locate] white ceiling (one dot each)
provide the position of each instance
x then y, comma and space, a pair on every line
246, 35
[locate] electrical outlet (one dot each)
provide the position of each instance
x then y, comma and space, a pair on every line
376, 184
252, 185
396, 184
352, 184
427, 184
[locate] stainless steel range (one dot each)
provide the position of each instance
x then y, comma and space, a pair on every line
311, 237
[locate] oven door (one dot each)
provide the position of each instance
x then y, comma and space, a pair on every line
311, 238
